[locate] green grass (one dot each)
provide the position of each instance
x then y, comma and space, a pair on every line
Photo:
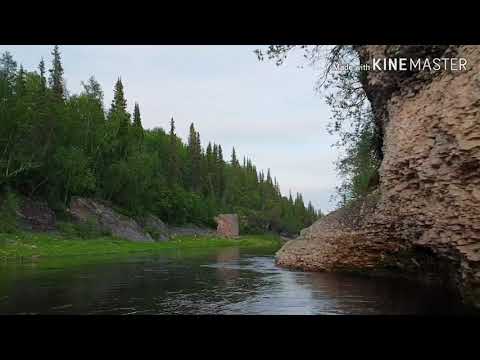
25, 245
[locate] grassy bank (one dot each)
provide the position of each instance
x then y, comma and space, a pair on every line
33, 245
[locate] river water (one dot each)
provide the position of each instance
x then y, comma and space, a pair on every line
217, 281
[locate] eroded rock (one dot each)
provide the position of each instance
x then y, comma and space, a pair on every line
155, 227
36, 215
429, 177
227, 225
89, 210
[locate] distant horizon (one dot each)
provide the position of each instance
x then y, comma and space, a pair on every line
270, 114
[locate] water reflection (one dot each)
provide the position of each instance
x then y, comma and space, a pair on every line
224, 281
227, 257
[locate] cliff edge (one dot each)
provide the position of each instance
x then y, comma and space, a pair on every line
425, 215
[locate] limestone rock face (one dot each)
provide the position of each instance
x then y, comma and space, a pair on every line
340, 241
155, 227
429, 193
36, 216
83, 209
227, 225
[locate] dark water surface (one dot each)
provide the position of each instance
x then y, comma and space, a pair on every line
220, 281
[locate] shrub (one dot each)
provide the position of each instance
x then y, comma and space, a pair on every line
9, 205
85, 230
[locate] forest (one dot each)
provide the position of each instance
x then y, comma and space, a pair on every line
55, 145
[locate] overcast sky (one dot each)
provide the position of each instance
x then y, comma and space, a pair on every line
270, 114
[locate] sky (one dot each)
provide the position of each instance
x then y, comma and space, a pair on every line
271, 114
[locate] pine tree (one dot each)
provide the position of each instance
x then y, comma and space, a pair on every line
56, 75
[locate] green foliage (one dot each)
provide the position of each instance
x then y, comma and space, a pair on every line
360, 135
73, 174
359, 166
56, 146
83, 230
56, 75
9, 205
24, 245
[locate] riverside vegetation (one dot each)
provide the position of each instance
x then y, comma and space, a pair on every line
27, 245
55, 145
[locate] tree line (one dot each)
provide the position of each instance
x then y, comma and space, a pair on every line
55, 145
360, 134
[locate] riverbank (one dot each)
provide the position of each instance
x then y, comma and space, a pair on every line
25, 245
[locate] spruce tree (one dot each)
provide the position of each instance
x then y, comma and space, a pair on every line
220, 171
269, 177
137, 126
197, 163
214, 176
173, 175
209, 170
119, 103
209, 156
234, 160
194, 152
120, 119
56, 75
20, 82
137, 121
41, 68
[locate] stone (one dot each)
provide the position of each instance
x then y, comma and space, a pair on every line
227, 225
155, 227
89, 210
428, 199
36, 215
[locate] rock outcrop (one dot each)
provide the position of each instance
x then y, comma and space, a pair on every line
155, 227
428, 206
227, 225
148, 228
36, 215
89, 210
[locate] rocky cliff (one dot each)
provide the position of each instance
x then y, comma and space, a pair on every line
425, 217
103, 216
227, 225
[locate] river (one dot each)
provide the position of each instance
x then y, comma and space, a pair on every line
195, 281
